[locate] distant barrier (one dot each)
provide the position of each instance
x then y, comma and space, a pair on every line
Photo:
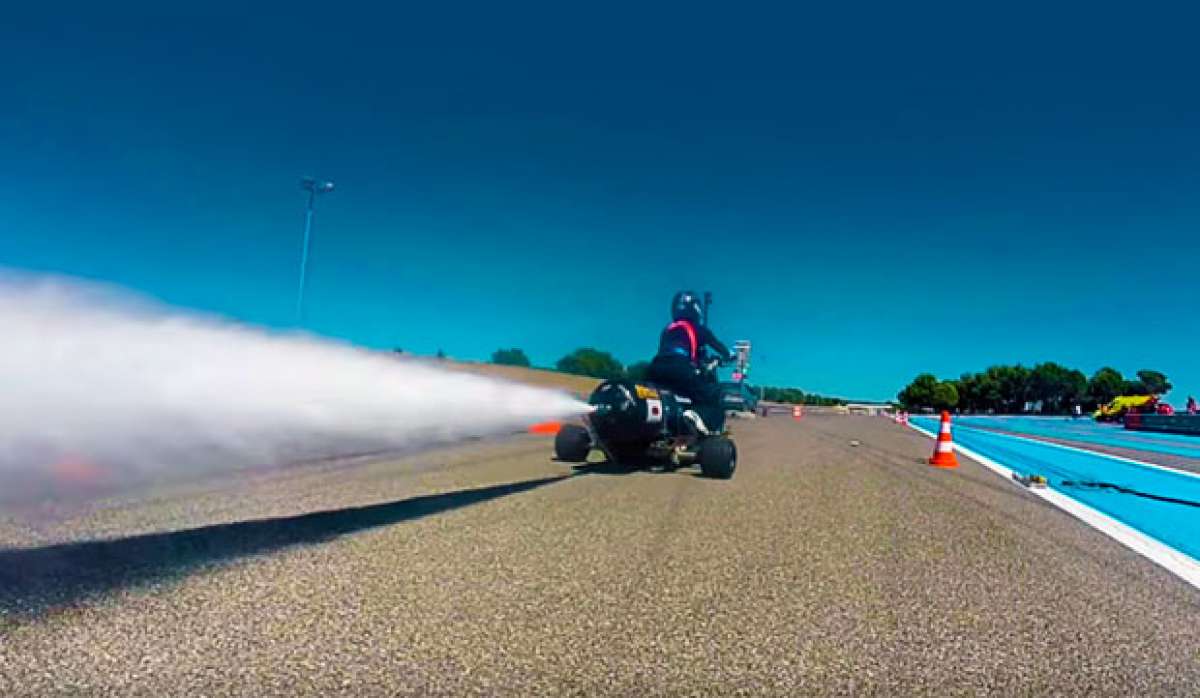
1188, 424
767, 409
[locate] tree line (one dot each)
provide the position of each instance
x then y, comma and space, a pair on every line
1048, 387
581, 362
796, 396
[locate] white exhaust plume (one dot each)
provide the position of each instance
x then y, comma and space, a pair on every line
100, 387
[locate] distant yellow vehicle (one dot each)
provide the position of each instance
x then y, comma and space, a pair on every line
1116, 409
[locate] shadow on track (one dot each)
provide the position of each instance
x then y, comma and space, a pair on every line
38, 580
605, 468
610, 468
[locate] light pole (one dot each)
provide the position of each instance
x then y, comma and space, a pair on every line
313, 187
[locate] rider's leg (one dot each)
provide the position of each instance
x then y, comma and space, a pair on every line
679, 376
708, 404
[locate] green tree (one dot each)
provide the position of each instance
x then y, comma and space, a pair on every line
988, 395
1075, 389
510, 357
969, 398
1104, 385
944, 396
792, 396
591, 362
1155, 381
919, 393
1055, 386
1013, 384
796, 396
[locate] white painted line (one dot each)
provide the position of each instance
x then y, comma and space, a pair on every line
1175, 561
1078, 449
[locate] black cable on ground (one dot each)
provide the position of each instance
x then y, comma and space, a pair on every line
1126, 490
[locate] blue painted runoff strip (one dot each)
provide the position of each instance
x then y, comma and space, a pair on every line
1093, 479
1087, 430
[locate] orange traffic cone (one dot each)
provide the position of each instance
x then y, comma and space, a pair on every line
943, 453
797, 412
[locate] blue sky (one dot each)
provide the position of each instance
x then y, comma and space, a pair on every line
868, 195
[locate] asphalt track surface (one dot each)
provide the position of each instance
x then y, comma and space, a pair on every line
821, 568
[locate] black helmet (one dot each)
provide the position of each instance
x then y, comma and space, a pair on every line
686, 306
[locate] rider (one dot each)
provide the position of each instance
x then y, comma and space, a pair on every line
677, 364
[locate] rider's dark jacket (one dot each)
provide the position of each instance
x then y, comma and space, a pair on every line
685, 339
676, 367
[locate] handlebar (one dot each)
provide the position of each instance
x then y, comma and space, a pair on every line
713, 362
